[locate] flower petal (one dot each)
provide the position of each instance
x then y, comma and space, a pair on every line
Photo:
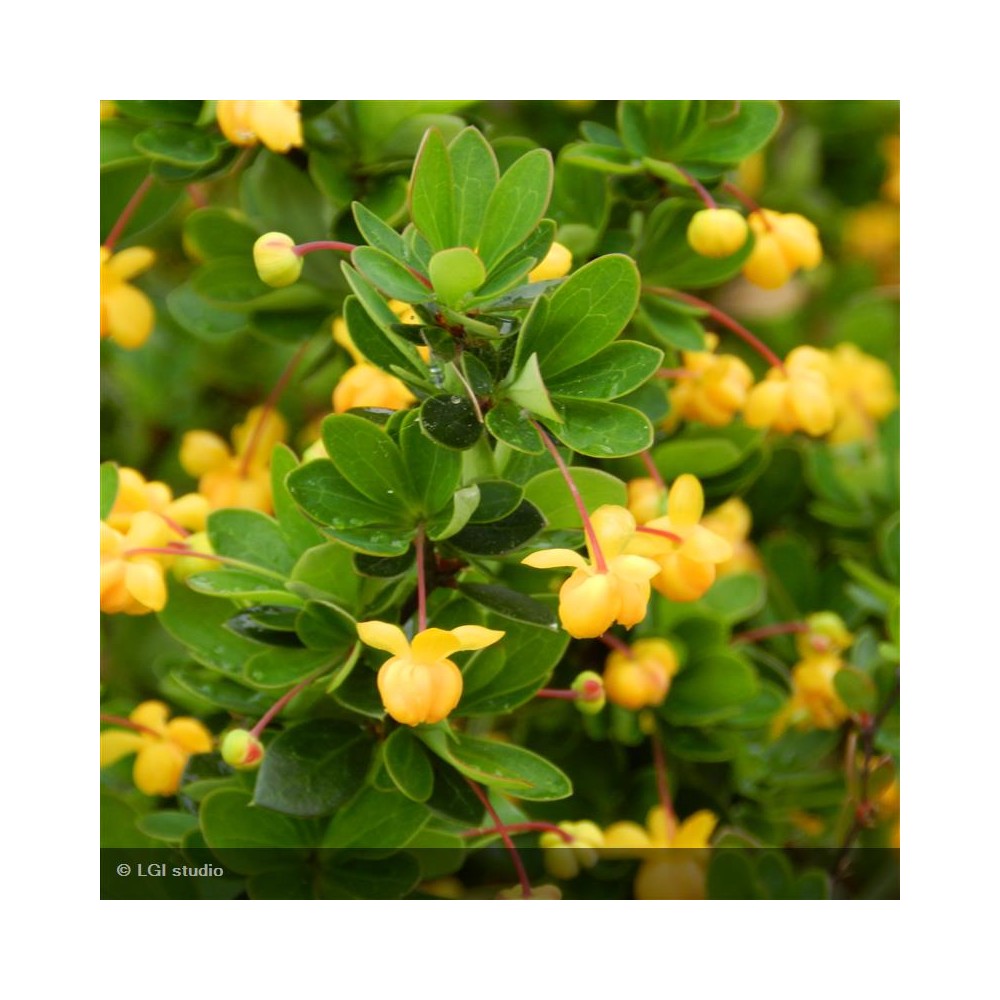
476, 637
614, 526
686, 501
118, 743
434, 644
382, 635
152, 715
634, 569
190, 735
551, 558
130, 316
703, 545
158, 768
589, 605
131, 262
144, 581
696, 829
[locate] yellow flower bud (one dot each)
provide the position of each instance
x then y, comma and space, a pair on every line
242, 750
784, 243
646, 500
556, 264
642, 679
203, 451
276, 261
796, 398
127, 314
275, 123
590, 688
564, 859
537, 892
717, 232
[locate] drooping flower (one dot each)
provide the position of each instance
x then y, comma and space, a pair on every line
642, 678
136, 493
611, 586
277, 124
133, 584
564, 858
420, 684
797, 397
864, 392
685, 551
162, 748
814, 702
127, 315
717, 232
714, 389
783, 244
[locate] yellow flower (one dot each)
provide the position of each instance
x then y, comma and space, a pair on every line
419, 684
643, 678
237, 477
276, 261
732, 521
597, 595
664, 874
162, 749
556, 263
563, 858
717, 232
134, 584
136, 494
646, 499
783, 244
274, 123
127, 315
864, 392
814, 703
366, 385
687, 562
716, 389
796, 398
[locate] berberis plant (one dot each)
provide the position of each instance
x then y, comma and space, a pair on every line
582, 589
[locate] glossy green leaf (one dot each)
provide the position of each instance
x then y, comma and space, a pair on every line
550, 494
279, 668
607, 159
434, 470
451, 421
279, 197
528, 390
406, 761
224, 692
672, 327
376, 342
300, 532
313, 768
475, 174
455, 273
327, 573
502, 536
511, 604
497, 499
585, 314
455, 516
203, 319
734, 137
218, 232
710, 689
602, 430
323, 625
736, 597
169, 825
378, 233
177, 144
432, 203
617, 370
374, 819
508, 423
251, 537
511, 769
516, 205
389, 276
359, 878
369, 460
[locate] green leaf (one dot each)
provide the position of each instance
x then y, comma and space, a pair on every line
369, 460
710, 689
705, 456
377, 233
432, 205
601, 430
376, 342
251, 537
169, 825
224, 692
855, 689
358, 878
161, 111
177, 144
672, 327
238, 583
497, 498
406, 761
502, 536
250, 839
508, 423
605, 158
218, 232
550, 494
109, 487
434, 470
456, 515
616, 371
279, 668
455, 273
327, 572
528, 390
278, 196
511, 769
736, 597
516, 205
736, 136
731, 876
388, 275
313, 768
374, 819
201, 318
323, 625
475, 173
451, 421
296, 527
585, 314
510, 604
117, 149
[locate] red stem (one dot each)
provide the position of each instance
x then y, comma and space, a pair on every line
521, 828
725, 319
197, 195
675, 373
303, 248
118, 720
698, 186
653, 471
421, 582
127, 212
522, 875
174, 549
613, 642
766, 631
560, 694
660, 532
174, 526
269, 405
280, 704
595, 545
662, 785
747, 202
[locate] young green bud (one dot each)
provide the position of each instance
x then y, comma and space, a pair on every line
590, 688
276, 261
242, 750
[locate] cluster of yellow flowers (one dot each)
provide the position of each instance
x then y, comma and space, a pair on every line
239, 476
277, 124
674, 855
714, 387
814, 703
641, 677
145, 515
127, 315
162, 748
